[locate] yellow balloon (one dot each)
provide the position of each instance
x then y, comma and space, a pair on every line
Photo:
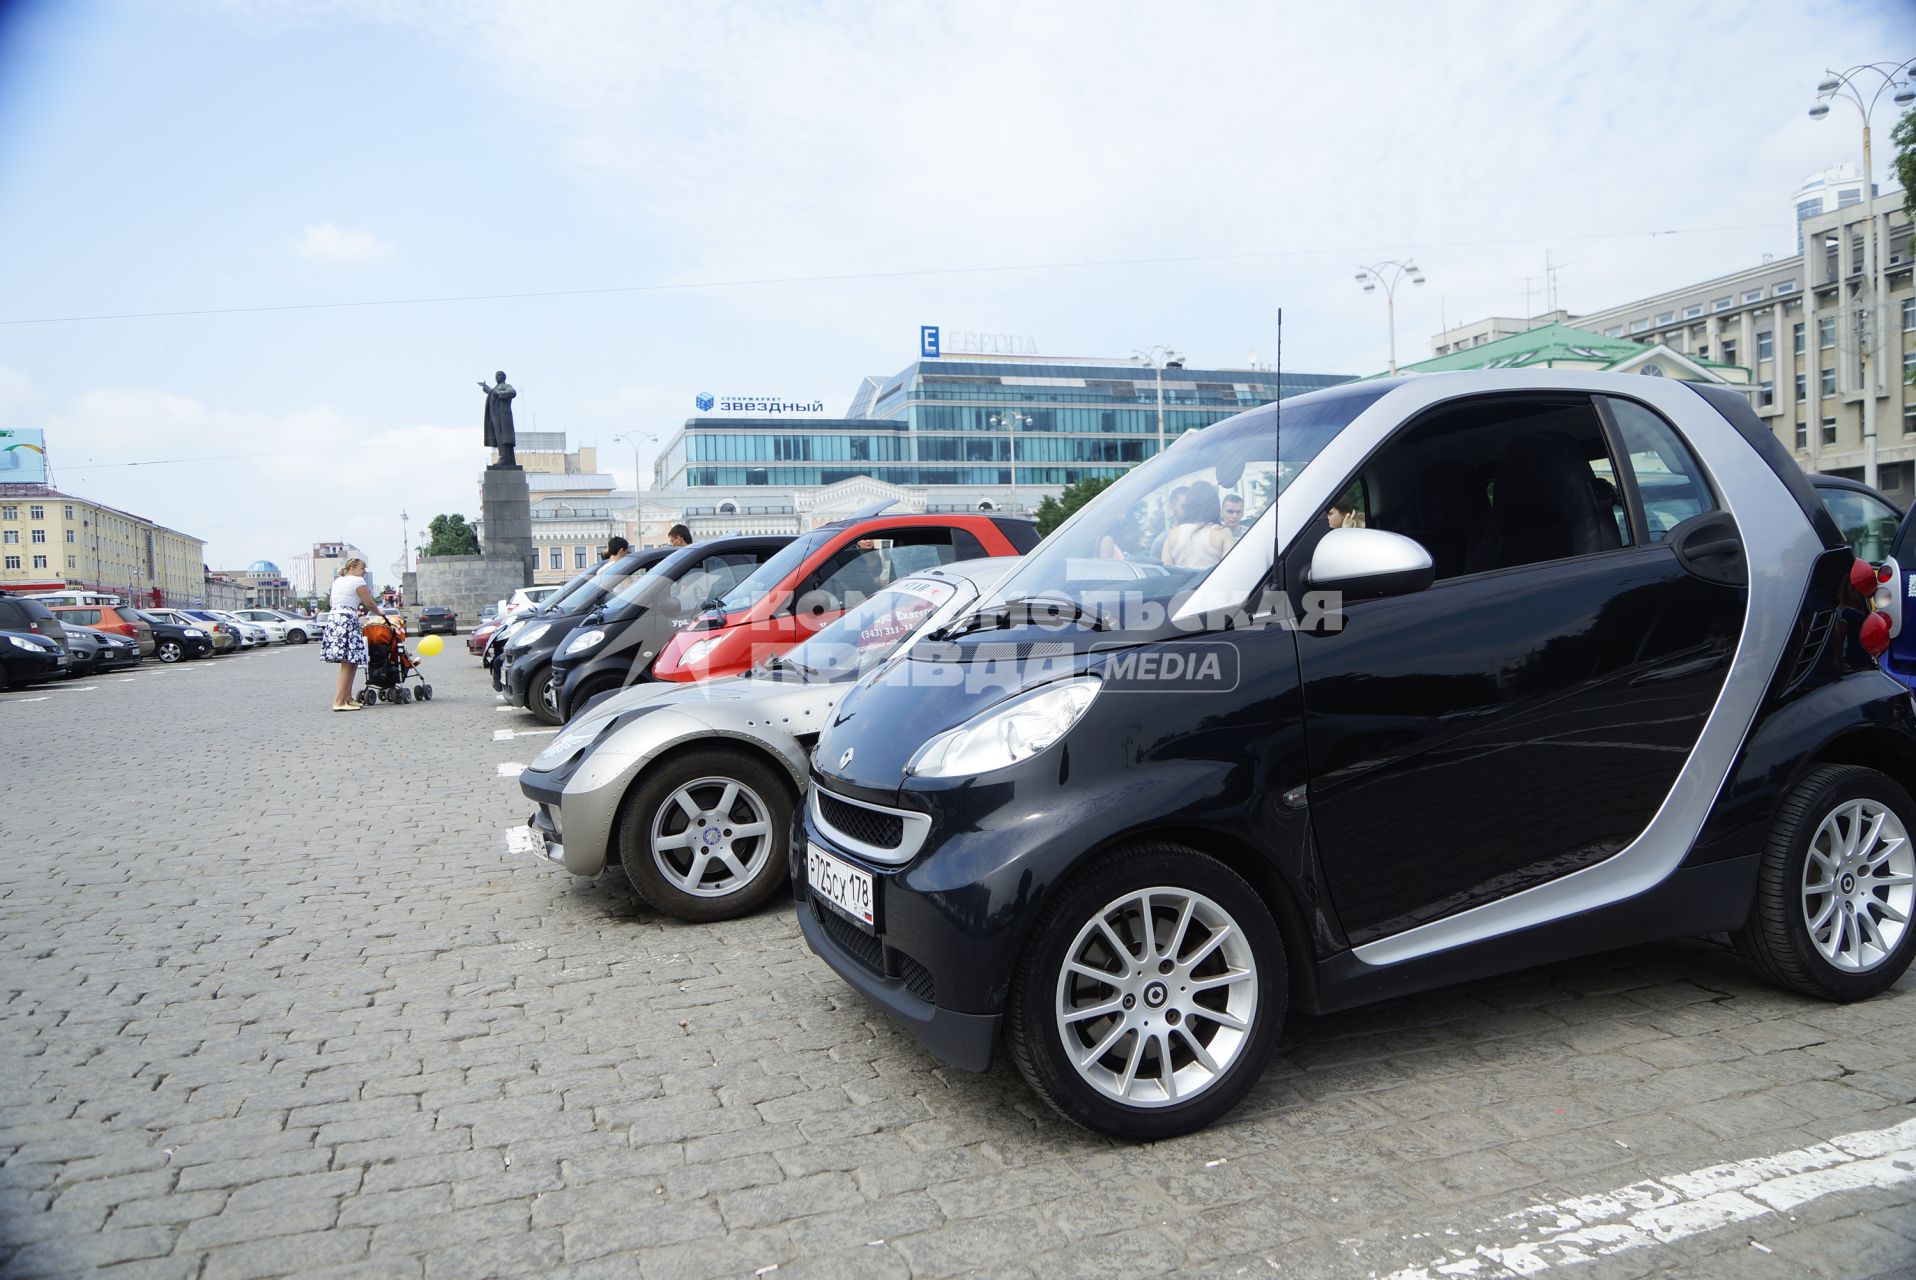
430, 646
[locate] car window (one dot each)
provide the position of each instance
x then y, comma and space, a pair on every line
84, 617
1493, 483
716, 577
865, 635
1669, 479
1868, 523
859, 570
756, 585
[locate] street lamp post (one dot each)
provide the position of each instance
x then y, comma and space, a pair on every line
1011, 422
638, 473
1891, 78
1389, 274
1160, 358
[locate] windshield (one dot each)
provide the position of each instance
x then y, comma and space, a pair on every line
864, 636
1162, 528
582, 593
753, 589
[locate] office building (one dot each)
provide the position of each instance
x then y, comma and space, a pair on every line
49, 538
1837, 187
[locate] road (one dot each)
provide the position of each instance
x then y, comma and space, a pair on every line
278, 1002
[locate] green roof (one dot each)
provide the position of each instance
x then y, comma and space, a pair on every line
1544, 346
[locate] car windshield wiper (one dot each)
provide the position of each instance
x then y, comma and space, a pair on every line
1026, 609
785, 662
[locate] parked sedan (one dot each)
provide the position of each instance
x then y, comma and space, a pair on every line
174, 640
94, 651
691, 788
1508, 720
479, 638
27, 657
437, 618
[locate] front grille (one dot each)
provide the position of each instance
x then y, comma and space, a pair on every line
867, 949
917, 978
867, 826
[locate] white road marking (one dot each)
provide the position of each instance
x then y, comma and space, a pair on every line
507, 735
42, 698
511, 769
505, 708
78, 688
1675, 1206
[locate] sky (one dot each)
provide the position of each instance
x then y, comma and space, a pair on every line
372, 205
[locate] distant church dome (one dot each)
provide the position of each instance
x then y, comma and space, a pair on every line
264, 566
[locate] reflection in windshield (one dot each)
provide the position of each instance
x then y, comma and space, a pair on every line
581, 594
865, 635
774, 571
1164, 526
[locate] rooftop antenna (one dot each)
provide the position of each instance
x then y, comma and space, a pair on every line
1550, 270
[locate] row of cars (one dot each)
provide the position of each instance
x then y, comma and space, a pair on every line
71, 635
1590, 673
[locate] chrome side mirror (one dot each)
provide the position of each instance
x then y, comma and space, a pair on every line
1364, 564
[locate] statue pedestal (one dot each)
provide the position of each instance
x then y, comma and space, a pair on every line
506, 503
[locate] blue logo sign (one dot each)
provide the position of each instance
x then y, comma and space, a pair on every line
928, 341
704, 400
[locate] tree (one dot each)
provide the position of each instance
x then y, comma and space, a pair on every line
451, 536
1053, 512
1904, 161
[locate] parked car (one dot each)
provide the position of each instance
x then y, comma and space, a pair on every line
28, 657
120, 620
479, 637
1532, 733
691, 788
174, 640
821, 574
1867, 518
510, 623
30, 617
94, 652
617, 643
437, 618
224, 635
278, 629
488, 612
299, 627
527, 598
523, 672
252, 634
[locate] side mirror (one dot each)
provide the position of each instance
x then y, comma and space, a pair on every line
1365, 564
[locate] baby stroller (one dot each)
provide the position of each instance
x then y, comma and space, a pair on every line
389, 665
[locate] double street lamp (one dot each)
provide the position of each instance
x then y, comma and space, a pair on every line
1011, 422
1160, 357
638, 474
1850, 86
1389, 274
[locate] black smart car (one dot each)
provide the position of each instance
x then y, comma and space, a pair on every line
525, 664
173, 641
1453, 707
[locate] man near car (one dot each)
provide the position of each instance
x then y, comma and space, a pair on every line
615, 548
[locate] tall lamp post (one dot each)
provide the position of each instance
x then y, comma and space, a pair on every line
1011, 422
1389, 274
638, 473
1849, 86
1160, 357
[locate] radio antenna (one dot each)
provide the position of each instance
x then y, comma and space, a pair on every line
1277, 455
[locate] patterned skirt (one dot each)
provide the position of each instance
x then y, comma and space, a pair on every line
342, 640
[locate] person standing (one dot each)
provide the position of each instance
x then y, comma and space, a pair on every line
679, 536
342, 642
615, 548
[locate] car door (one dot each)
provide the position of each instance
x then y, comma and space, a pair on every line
1525, 715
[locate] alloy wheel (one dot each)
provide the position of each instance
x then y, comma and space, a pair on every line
711, 836
1859, 885
1157, 997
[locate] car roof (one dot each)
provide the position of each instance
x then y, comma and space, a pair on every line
931, 519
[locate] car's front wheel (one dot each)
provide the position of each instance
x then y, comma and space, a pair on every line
704, 836
1836, 887
168, 651
1150, 994
542, 698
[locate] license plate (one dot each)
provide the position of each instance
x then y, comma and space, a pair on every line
842, 885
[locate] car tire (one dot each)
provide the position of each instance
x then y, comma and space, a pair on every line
168, 651
1213, 960
663, 873
542, 699
295, 637
590, 695
1838, 868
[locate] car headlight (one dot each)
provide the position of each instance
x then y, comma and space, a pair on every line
195, 633
583, 641
569, 743
696, 653
531, 634
1005, 734
19, 643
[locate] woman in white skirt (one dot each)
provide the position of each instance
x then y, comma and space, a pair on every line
342, 642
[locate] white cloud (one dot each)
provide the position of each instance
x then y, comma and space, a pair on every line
324, 242
16, 390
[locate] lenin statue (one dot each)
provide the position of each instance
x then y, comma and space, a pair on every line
499, 432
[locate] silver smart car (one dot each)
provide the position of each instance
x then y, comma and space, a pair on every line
692, 787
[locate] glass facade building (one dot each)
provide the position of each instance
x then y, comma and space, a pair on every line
955, 422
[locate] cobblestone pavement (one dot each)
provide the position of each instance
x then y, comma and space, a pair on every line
277, 1002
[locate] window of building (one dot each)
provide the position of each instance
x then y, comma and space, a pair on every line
1909, 315
1802, 438
1909, 365
1829, 382
69, 511
1826, 332
1892, 478
36, 512
1802, 386
12, 537
1702, 351
1638, 326
73, 562
556, 557
9, 513
13, 562
70, 535
1668, 317
1783, 287
1692, 312
1765, 394
1829, 431
1796, 338
1614, 331
578, 557
1723, 304
1752, 295
1729, 352
1909, 420
39, 535
39, 562
1766, 345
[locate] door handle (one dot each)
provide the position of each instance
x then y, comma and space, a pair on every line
1708, 546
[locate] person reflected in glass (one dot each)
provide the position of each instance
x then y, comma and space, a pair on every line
1200, 539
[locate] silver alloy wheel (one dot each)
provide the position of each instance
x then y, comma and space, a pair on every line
711, 837
1859, 885
1157, 997
549, 694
